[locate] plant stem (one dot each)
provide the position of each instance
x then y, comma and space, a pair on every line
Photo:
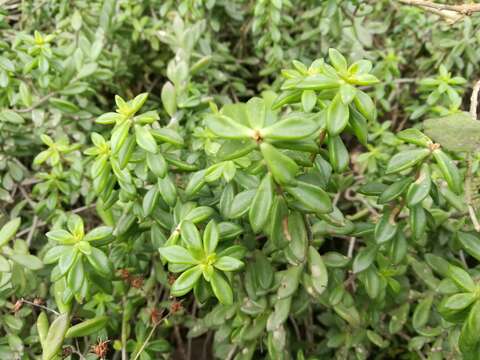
145, 343
40, 306
452, 13
468, 194
124, 330
37, 104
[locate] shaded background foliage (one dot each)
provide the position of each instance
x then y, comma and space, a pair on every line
61, 65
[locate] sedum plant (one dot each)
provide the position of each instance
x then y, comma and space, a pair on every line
198, 258
274, 180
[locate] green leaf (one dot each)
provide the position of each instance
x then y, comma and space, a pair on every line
470, 330
338, 153
261, 204
406, 159
256, 112
9, 230
214, 172
279, 314
76, 276
377, 339
318, 270
138, 102
241, 203
186, 281
227, 128
99, 233
150, 200
61, 236
84, 247
385, 229
11, 117
42, 157
42, 327
4, 264
461, 278
86, 70
349, 314
75, 226
470, 243
337, 116
199, 214
146, 118
221, 288
108, 118
337, 60
394, 191
359, 126
177, 255
297, 237
168, 136
333, 259
191, 236
169, 98
312, 197
67, 260
347, 93
234, 149
55, 336
280, 165
263, 270
364, 258
228, 263
311, 82
6, 64
87, 327
422, 313
145, 139
289, 281
449, 171
309, 99
210, 237
293, 127
119, 135
157, 164
195, 183
29, 261
167, 190
99, 262
414, 136
365, 105
419, 189
459, 301
64, 105
418, 221
456, 132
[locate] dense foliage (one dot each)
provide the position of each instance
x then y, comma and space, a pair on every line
269, 179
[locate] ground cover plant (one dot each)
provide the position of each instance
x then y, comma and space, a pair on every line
228, 179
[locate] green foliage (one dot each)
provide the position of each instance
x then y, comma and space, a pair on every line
237, 180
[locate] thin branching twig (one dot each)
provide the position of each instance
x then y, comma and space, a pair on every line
451, 13
468, 177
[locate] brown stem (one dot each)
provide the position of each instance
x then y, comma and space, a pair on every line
452, 13
37, 104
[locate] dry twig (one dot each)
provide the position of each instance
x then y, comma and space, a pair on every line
451, 13
468, 177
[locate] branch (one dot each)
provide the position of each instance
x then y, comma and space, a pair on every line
39, 306
145, 343
37, 104
474, 100
468, 176
452, 13
44, 223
